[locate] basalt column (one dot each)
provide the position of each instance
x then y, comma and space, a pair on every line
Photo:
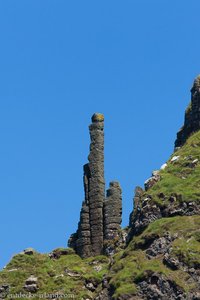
96, 184
88, 240
113, 211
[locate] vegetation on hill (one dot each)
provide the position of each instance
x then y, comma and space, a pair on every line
181, 176
168, 250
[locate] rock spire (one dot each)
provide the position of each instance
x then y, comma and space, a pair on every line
100, 216
192, 115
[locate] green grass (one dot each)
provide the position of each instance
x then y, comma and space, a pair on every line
132, 265
178, 177
51, 274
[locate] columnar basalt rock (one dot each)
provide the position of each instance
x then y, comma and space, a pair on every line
113, 211
192, 115
136, 204
96, 190
99, 218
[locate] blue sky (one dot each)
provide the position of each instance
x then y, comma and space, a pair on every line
61, 61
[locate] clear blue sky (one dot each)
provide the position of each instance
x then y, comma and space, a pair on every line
61, 61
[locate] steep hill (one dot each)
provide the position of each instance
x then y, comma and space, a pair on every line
156, 257
162, 260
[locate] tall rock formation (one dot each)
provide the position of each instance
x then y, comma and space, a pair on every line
96, 182
112, 211
100, 219
192, 115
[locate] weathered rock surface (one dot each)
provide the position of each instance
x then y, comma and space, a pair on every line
147, 211
192, 115
89, 237
31, 284
152, 180
100, 219
4, 291
156, 286
29, 251
113, 211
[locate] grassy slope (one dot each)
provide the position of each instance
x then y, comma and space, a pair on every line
52, 275
178, 177
131, 264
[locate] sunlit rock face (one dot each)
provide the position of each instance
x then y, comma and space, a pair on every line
192, 115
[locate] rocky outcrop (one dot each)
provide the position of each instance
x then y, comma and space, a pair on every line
96, 186
154, 285
146, 210
31, 284
113, 211
157, 286
4, 290
100, 218
136, 203
152, 180
192, 115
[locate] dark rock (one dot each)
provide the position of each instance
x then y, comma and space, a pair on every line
171, 262
113, 212
31, 284
192, 116
157, 286
57, 253
159, 246
152, 180
29, 251
147, 212
100, 219
4, 290
90, 286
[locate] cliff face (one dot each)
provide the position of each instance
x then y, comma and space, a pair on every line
161, 257
192, 115
100, 216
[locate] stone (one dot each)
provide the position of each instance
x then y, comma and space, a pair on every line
192, 115
163, 166
146, 212
31, 280
171, 262
113, 211
29, 251
4, 290
157, 286
175, 158
57, 253
31, 288
193, 164
100, 218
152, 180
31, 284
72, 273
97, 268
90, 286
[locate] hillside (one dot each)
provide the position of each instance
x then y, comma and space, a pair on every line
156, 257
162, 260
